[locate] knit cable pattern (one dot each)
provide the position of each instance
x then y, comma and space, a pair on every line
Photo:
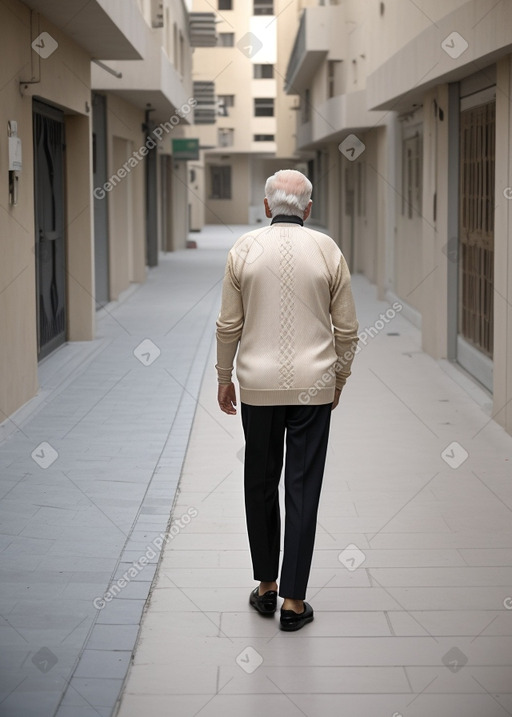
286, 313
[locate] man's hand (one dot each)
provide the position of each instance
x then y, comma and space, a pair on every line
226, 397
337, 394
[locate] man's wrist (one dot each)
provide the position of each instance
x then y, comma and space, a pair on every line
224, 374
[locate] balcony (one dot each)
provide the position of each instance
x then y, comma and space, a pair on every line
337, 117
105, 29
310, 48
153, 82
424, 62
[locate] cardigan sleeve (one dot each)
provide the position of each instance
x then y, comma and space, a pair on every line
345, 325
229, 323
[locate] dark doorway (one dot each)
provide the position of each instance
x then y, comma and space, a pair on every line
99, 169
50, 239
151, 195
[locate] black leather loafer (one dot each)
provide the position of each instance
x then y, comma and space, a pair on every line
291, 620
265, 604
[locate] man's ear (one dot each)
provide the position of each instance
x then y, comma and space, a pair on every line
268, 213
307, 210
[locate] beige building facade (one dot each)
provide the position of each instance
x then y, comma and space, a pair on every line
75, 226
245, 123
405, 121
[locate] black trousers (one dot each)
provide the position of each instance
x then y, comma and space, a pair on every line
307, 433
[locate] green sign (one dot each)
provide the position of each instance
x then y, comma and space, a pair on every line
185, 148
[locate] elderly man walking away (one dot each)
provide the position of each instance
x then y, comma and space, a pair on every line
287, 307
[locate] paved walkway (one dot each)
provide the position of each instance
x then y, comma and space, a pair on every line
89, 470
412, 574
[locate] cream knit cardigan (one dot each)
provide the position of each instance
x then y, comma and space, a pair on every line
287, 307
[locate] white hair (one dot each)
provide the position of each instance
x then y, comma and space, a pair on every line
288, 191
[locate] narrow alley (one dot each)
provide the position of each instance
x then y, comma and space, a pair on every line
412, 572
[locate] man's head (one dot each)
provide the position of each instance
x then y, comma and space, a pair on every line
288, 192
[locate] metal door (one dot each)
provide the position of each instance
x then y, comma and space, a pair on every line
99, 169
50, 241
476, 225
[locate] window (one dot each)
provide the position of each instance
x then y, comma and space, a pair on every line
223, 103
175, 45
264, 107
330, 79
181, 54
226, 39
411, 175
225, 136
220, 181
225, 4
263, 72
263, 138
263, 7
306, 106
